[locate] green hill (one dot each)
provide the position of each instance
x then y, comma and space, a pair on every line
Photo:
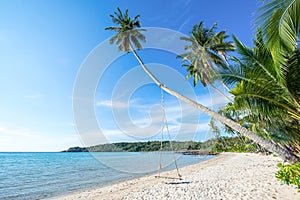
237, 144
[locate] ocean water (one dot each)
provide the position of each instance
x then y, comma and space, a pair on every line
44, 175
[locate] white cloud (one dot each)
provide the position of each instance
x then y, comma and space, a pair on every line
140, 120
17, 132
104, 103
117, 104
212, 100
146, 120
71, 124
33, 96
183, 24
178, 131
28, 140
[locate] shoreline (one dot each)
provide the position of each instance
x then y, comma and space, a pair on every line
154, 174
227, 176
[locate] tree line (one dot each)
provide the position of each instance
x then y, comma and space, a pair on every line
223, 144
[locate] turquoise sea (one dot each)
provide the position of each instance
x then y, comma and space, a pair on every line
43, 175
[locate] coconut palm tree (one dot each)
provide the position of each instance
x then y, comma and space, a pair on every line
128, 31
267, 105
206, 51
280, 25
205, 54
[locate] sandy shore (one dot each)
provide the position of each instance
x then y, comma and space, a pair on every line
229, 176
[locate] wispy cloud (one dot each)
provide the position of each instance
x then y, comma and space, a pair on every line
23, 139
183, 24
33, 96
212, 100
17, 131
143, 119
70, 124
178, 131
104, 103
117, 103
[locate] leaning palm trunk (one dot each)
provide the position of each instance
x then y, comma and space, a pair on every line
283, 153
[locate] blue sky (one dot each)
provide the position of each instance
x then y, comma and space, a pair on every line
44, 43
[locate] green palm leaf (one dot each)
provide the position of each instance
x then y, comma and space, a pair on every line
292, 75
280, 23
206, 52
265, 99
128, 31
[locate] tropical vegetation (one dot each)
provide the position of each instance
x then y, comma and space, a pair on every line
289, 174
212, 146
266, 77
266, 81
206, 51
263, 81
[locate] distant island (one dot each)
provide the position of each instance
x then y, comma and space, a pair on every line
212, 146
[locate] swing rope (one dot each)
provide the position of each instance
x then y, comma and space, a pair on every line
165, 125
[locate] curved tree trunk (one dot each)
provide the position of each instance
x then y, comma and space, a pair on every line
283, 153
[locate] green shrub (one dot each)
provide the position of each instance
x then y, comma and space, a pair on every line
289, 174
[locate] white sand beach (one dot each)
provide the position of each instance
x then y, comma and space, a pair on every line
229, 176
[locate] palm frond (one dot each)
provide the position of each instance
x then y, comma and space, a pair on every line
205, 52
290, 28
292, 76
135, 42
112, 28
280, 24
127, 30
249, 56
